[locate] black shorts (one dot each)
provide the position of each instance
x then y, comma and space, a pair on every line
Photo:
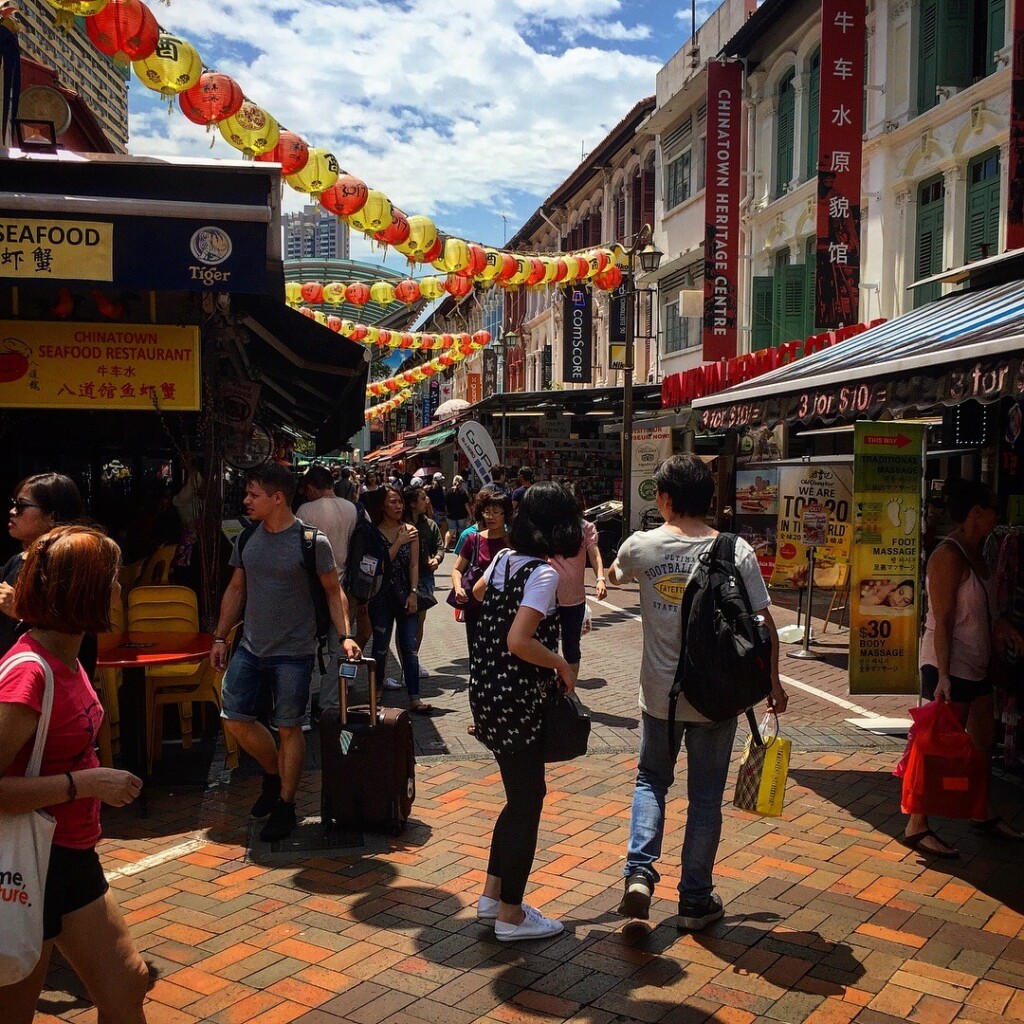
74, 880
963, 691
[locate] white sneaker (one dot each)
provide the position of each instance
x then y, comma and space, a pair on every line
533, 926
423, 672
486, 909
307, 726
392, 684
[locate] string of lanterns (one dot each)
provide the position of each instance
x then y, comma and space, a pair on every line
425, 370
412, 340
127, 31
383, 408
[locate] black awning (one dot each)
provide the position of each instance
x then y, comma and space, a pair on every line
313, 378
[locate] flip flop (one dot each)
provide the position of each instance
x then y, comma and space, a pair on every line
422, 709
914, 843
995, 827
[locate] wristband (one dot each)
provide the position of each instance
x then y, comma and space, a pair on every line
601, 579
72, 788
219, 640
347, 636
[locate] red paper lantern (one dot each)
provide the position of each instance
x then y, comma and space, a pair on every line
212, 99
384, 337
358, 294
358, 332
345, 197
397, 231
291, 152
509, 265
582, 267
429, 342
306, 311
477, 261
313, 293
609, 279
405, 340
391, 384
334, 322
428, 370
407, 291
561, 270
537, 271
601, 256
458, 287
446, 360
482, 337
434, 251
125, 30
409, 377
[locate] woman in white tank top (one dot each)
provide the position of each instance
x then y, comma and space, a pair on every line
959, 638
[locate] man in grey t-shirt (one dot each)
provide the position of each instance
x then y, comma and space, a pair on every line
271, 582
662, 561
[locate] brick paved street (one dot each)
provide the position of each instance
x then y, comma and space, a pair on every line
828, 919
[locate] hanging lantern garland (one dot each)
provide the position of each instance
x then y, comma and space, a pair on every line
173, 67
68, 10
251, 130
124, 30
214, 98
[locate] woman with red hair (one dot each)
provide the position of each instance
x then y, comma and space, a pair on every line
64, 590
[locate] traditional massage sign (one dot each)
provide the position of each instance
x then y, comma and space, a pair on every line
46, 365
840, 128
722, 209
886, 563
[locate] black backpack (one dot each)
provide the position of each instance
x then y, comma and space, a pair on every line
725, 662
367, 563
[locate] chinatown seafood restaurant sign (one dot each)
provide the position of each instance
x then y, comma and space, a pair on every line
46, 365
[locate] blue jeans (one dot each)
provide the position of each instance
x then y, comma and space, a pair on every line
708, 750
288, 678
383, 619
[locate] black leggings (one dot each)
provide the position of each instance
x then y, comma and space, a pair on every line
514, 841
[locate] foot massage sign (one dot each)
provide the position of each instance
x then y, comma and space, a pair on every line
885, 571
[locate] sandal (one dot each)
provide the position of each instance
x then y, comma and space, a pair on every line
914, 843
421, 709
998, 828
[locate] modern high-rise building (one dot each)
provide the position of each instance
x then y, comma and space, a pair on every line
315, 234
79, 66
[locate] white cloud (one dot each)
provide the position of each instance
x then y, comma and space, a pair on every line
449, 106
613, 31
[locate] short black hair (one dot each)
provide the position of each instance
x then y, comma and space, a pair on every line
963, 495
526, 473
272, 476
498, 472
687, 482
492, 496
319, 477
548, 523
373, 504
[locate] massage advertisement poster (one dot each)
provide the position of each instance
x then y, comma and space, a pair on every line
886, 565
826, 491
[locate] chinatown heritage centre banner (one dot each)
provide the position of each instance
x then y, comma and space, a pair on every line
1015, 213
577, 336
46, 365
886, 566
825, 490
840, 128
722, 209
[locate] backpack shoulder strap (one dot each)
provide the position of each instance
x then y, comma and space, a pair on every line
244, 537
309, 535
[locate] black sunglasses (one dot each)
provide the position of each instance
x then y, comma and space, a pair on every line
20, 504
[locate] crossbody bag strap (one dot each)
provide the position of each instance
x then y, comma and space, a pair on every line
43, 725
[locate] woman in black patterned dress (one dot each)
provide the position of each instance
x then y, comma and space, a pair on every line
514, 659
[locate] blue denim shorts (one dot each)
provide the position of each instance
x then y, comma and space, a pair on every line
287, 676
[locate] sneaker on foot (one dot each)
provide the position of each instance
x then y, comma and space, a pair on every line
280, 823
423, 672
486, 909
533, 926
270, 795
392, 684
696, 915
636, 899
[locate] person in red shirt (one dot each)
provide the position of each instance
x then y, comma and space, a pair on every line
65, 589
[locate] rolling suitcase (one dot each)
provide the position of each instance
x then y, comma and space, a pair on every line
367, 759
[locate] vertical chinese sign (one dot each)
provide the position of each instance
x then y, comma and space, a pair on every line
721, 209
1015, 213
885, 576
840, 131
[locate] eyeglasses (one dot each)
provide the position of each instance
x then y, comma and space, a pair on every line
20, 504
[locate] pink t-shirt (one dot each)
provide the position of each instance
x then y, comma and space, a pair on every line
571, 586
70, 741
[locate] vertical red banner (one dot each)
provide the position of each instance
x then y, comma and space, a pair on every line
840, 134
1015, 213
721, 208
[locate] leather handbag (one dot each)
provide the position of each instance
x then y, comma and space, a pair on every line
473, 572
566, 725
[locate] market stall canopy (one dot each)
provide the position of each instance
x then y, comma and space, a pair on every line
313, 378
391, 451
435, 440
966, 345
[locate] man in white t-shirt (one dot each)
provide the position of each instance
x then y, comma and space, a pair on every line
335, 518
662, 561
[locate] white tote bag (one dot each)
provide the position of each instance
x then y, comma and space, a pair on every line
24, 858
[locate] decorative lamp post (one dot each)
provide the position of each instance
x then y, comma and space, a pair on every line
650, 259
508, 340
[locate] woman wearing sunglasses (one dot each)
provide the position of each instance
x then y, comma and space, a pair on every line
40, 503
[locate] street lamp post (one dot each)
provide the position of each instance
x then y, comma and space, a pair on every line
650, 259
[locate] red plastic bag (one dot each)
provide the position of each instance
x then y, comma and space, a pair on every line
944, 772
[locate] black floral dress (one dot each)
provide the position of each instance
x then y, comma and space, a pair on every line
506, 693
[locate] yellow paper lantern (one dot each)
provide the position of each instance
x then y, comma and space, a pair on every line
523, 269
372, 335
494, 263
550, 269
617, 256
374, 215
432, 288
422, 235
382, 292
292, 293
455, 256
252, 130
173, 67
68, 10
334, 293
318, 175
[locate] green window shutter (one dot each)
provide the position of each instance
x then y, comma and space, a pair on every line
786, 132
955, 32
996, 31
810, 269
791, 313
813, 107
928, 248
982, 207
761, 321
927, 55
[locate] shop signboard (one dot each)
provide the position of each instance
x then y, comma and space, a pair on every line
651, 446
577, 335
490, 358
725, 126
479, 449
616, 357
435, 395
47, 365
828, 488
886, 564
757, 513
473, 388
46, 250
425, 407
618, 311
1015, 177
545, 369
840, 130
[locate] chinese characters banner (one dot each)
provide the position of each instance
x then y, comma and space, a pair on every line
1015, 214
47, 250
840, 130
47, 365
722, 208
474, 389
885, 576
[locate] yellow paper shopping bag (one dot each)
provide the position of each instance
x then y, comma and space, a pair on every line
764, 768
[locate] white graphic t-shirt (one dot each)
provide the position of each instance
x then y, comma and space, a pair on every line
662, 561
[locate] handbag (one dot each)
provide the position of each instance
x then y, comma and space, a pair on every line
469, 578
25, 841
764, 768
566, 727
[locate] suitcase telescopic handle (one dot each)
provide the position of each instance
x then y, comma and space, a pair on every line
371, 672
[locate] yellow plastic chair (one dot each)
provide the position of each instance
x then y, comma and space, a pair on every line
128, 576
157, 570
107, 682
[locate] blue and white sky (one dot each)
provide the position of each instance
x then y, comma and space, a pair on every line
468, 111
